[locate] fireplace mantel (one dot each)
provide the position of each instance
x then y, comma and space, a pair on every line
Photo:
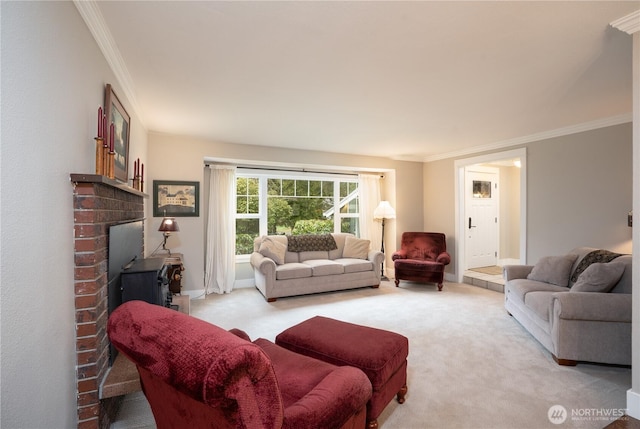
104, 180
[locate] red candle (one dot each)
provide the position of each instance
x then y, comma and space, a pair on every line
138, 169
100, 121
111, 138
104, 130
141, 170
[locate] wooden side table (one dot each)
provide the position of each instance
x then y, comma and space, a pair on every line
176, 267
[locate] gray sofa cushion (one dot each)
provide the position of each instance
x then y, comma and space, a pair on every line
356, 248
521, 287
324, 267
599, 277
294, 270
355, 265
553, 269
540, 303
273, 249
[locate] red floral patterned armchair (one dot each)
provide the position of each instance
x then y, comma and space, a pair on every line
197, 375
421, 258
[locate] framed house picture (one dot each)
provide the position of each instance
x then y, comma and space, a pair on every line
175, 198
118, 116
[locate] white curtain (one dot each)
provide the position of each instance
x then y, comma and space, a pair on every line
220, 269
369, 193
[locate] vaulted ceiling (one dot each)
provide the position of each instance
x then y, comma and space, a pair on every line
406, 80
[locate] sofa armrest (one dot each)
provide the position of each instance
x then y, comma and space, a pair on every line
400, 254
510, 272
266, 266
604, 307
444, 258
341, 394
375, 256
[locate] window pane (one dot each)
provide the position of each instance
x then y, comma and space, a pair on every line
246, 231
350, 225
302, 188
315, 188
327, 189
288, 187
274, 186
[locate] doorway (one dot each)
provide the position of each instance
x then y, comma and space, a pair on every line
508, 193
481, 212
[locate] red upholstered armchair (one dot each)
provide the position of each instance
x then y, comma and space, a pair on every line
197, 375
422, 258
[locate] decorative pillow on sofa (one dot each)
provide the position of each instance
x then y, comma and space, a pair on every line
356, 248
272, 249
553, 269
599, 277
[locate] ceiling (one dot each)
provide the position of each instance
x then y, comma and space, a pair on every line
405, 80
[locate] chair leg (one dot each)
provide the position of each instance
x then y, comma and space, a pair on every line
397, 282
372, 424
401, 394
439, 287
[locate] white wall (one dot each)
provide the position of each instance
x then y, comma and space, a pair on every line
182, 158
53, 78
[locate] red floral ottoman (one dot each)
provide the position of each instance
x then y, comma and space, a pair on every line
381, 355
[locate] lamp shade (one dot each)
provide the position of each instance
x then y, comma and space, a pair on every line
169, 224
384, 211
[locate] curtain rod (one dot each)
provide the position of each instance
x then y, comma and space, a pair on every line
293, 170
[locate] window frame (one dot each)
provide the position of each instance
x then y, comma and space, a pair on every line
264, 175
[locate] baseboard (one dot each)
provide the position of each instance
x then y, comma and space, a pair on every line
633, 404
508, 261
244, 283
194, 294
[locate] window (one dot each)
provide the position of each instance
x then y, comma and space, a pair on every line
293, 203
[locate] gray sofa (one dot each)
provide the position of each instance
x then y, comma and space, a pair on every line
575, 322
280, 272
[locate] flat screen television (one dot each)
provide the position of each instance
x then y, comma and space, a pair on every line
126, 244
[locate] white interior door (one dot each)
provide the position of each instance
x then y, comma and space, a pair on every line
481, 211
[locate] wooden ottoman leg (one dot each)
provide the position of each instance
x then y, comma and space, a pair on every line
401, 394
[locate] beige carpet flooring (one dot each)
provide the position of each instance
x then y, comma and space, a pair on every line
471, 365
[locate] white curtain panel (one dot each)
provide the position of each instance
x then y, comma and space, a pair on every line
220, 269
369, 187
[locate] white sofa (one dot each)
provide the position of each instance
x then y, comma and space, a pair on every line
282, 273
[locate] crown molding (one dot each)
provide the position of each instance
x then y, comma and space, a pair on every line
629, 24
90, 13
558, 132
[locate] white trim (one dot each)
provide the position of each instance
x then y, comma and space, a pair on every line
90, 13
194, 294
585, 126
244, 283
633, 404
629, 24
458, 169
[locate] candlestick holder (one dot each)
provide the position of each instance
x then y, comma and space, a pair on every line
111, 165
99, 156
105, 159
141, 184
136, 183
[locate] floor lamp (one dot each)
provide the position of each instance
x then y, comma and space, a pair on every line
382, 212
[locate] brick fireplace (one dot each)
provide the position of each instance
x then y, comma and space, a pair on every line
98, 203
